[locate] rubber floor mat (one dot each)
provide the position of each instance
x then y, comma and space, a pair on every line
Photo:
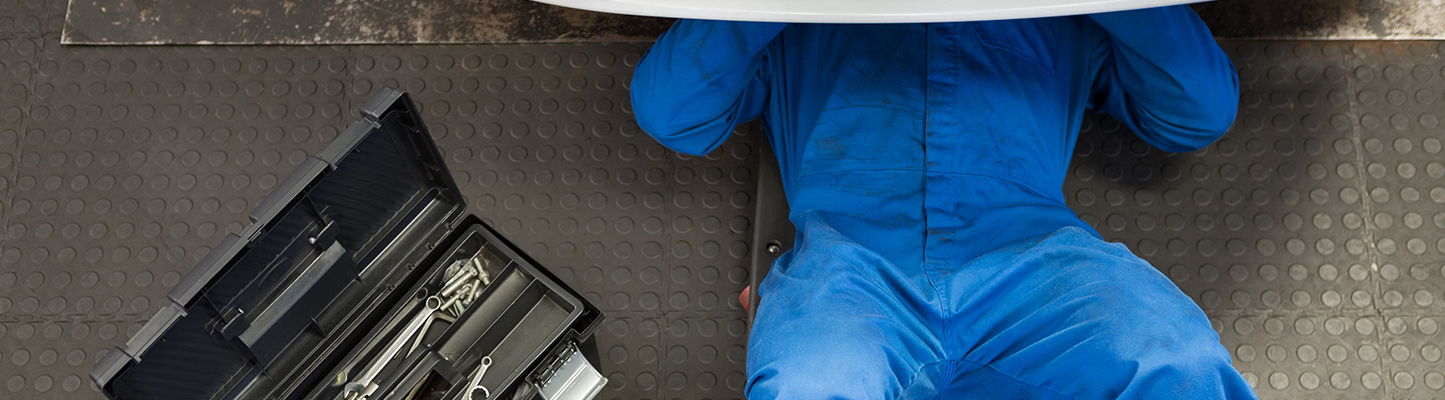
1311, 233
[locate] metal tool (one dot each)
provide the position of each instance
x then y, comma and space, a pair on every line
426, 328
464, 280
363, 386
481, 272
475, 383
457, 282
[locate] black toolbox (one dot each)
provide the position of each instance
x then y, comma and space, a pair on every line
363, 245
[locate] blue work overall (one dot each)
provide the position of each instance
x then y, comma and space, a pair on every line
924, 164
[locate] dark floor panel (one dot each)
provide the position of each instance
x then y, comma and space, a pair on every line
629, 344
1329, 244
1398, 85
16, 58
1413, 356
22, 17
1288, 357
344, 22
135, 161
1266, 219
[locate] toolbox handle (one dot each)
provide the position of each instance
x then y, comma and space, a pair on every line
270, 331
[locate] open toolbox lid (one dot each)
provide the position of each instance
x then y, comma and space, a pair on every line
261, 303
861, 11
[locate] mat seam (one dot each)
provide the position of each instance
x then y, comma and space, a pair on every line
20, 134
1367, 207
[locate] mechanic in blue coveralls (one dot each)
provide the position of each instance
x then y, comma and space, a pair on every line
924, 166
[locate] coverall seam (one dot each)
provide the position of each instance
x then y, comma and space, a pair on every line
912, 378
1018, 254
952, 366
929, 267
1016, 379
1010, 261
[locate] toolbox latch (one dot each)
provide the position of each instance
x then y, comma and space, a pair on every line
233, 323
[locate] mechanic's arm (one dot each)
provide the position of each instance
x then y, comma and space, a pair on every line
700, 80
1162, 75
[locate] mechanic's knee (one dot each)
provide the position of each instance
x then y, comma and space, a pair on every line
814, 373
1184, 349
1170, 358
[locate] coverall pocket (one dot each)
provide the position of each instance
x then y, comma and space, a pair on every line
1029, 40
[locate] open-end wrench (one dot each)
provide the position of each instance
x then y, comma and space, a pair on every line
363, 386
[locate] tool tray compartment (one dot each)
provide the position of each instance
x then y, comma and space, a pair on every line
319, 297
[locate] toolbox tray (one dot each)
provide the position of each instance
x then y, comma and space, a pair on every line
339, 256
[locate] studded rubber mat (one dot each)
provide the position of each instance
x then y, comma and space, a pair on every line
1313, 234
1310, 235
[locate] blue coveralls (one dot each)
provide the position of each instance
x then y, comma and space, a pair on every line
924, 164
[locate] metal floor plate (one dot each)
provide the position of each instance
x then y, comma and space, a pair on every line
1310, 235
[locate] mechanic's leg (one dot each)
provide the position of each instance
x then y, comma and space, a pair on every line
1077, 317
837, 321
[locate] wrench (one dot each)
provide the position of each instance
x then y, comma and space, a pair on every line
426, 327
363, 386
476, 381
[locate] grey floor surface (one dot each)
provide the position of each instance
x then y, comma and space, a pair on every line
1311, 235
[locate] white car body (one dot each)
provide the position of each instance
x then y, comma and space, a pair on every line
860, 11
